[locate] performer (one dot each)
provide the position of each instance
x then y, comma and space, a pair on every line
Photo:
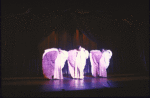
77, 61
95, 56
59, 63
52, 63
48, 62
104, 62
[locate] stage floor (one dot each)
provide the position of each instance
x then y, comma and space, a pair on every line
113, 85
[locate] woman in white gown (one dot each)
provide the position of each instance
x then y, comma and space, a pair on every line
95, 56
59, 63
77, 61
104, 62
48, 62
52, 63
100, 62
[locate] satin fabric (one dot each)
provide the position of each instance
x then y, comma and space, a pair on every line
95, 56
77, 62
48, 62
59, 64
104, 62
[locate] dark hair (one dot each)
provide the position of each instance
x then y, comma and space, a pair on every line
77, 47
59, 47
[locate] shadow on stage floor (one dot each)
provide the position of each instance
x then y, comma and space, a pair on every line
113, 85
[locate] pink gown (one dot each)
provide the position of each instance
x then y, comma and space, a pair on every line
59, 64
48, 62
95, 56
77, 62
104, 62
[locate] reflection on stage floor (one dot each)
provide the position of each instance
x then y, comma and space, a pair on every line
89, 84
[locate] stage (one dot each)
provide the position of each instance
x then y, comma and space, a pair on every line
113, 85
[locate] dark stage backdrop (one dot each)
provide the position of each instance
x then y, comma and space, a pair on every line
28, 28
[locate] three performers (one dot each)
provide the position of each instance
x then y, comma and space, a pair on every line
54, 60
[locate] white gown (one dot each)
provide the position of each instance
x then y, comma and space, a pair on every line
59, 64
95, 56
77, 62
104, 62
48, 62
